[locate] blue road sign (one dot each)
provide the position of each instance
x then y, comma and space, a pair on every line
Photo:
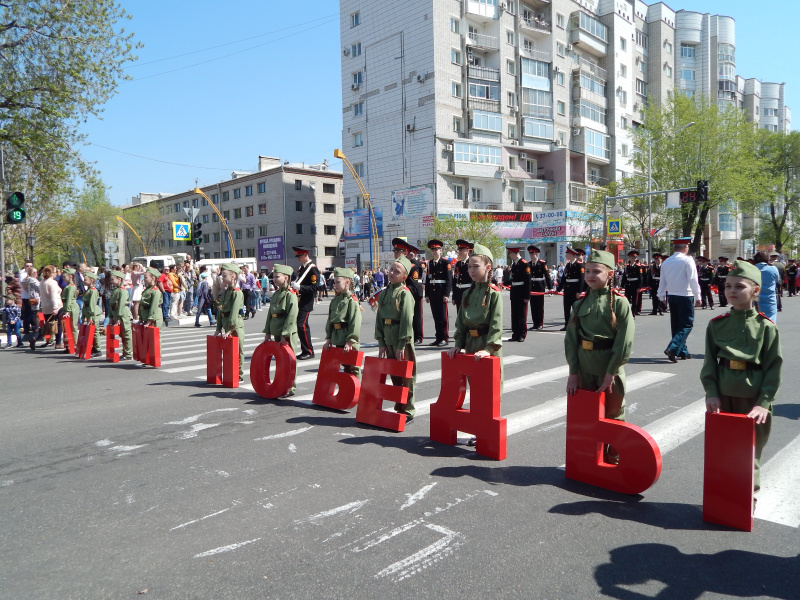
181, 231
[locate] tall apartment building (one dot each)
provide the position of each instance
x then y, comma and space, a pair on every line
764, 104
509, 108
280, 206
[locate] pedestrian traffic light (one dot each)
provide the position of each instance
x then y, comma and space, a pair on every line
688, 196
15, 211
702, 191
197, 233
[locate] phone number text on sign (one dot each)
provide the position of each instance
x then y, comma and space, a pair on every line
550, 231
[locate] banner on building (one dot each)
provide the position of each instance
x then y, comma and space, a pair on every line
412, 202
270, 248
356, 223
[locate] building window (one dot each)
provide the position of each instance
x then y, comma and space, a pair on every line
623, 71
512, 131
251, 232
476, 194
455, 56
539, 129
298, 206
205, 218
360, 202
262, 230
330, 229
512, 162
560, 21
561, 107
642, 66
358, 109
770, 112
330, 250
194, 203
623, 96
239, 254
560, 50
358, 77
186, 204
204, 202
687, 74
225, 196
487, 121
597, 144
641, 39
668, 71
237, 213
455, 25
511, 67
623, 44
262, 209
298, 184
169, 243
477, 153
358, 139
237, 234
511, 99
456, 90
360, 169
562, 138
624, 150
641, 87
298, 228
206, 238
214, 218
226, 214
355, 19
687, 51
457, 125
216, 255
590, 110
262, 187
667, 47
215, 198
510, 37
248, 211
177, 206
560, 78
248, 190
486, 91
355, 49
329, 209
530, 167
251, 253
215, 237
623, 122
458, 192
237, 193
592, 26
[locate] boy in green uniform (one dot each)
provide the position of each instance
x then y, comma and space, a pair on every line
599, 340
741, 372
69, 297
281, 325
91, 309
394, 328
343, 329
120, 313
231, 301
150, 312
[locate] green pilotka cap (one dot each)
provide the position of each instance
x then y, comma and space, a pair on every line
69, 271
480, 250
90, 275
153, 271
283, 269
343, 272
601, 257
119, 274
231, 267
405, 262
742, 268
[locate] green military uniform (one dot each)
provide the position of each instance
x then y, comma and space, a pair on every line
91, 309
344, 319
118, 305
69, 297
594, 347
231, 301
742, 365
150, 304
479, 324
394, 330
282, 316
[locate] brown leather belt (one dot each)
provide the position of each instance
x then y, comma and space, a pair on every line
738, 365
597, 344
338, 325
478, 332
391, 322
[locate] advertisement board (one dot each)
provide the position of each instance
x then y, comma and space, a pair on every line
270, 248
412, 202
356, 223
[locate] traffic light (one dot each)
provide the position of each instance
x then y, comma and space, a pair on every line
688, 196
702, 191
15, 211
197, 233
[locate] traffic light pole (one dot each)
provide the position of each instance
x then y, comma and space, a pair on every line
607, 198
2, 228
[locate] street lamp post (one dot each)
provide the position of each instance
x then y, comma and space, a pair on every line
649, 188
31, 244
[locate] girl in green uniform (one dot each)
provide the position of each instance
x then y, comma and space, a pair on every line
69, 297
281, 323
599, 340
394, 329
231, 301
150, 312
120, 314
343, 329
91, 311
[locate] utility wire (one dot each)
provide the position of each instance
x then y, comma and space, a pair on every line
166, 162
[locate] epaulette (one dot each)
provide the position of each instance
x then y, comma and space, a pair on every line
494, 287
353, 296
523, 261
405, 287
766, 317
619, 293
727, 314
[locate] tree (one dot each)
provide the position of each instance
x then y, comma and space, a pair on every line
780, 222
477, 229
149, 223
93, 219
718, 148
60, 61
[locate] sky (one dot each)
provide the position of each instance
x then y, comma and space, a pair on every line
218, 84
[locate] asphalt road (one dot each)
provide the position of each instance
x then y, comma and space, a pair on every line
117, 480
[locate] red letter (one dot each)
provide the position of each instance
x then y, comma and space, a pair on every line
222, 361
728, 474
147, 345
285, 369
85, 340
329, 376
375, 391
112, 343
587, 431
482, 419
66, 326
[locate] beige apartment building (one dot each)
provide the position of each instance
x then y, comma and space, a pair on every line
269, 211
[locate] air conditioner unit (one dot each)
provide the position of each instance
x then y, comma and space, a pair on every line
523, 155
346, 51
504, 6
355, 86
449, 147
420, 78
576, 132
514, 142
557, 142
556, 69
569, 47
501, 168
636, 106
512, 111
619, 89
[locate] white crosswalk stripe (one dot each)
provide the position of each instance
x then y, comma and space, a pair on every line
778, 500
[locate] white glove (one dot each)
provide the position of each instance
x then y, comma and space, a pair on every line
295, 286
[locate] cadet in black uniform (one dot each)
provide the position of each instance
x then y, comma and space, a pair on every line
705, 273
461, 279
400, 247
791, 276
653, 280
438, 284
520, 294
720, 277
305, 284
540, 282
632, 282
572, 283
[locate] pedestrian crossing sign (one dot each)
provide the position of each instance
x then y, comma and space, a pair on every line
614, 227
181, 231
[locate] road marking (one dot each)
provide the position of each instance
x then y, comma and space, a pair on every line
292, 448
284, 434
222, 549
412, 499
194, 418
421, 560
679, 427
219, 512
347, 508
780, 478
196, 428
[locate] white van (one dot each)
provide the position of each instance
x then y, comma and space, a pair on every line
216, 262
157, 262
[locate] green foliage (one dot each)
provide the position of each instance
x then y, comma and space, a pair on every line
93, 219
148, 222
780, 211
478, 230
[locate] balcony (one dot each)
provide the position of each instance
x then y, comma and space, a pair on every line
482, 11
536, 25
484, 73
536, 111
581, 93
484, 104
483, 42
577, 177
536, 54
592, 69
545, 174
589, 35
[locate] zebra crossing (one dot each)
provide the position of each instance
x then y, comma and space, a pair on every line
526, 405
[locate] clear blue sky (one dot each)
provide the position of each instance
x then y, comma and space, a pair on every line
278, 93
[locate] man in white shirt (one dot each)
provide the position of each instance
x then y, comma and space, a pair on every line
679, 286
